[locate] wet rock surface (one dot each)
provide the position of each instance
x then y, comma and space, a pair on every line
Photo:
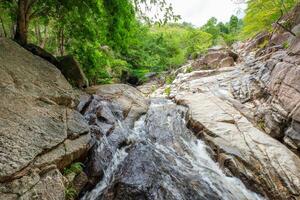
158, 158
109, 109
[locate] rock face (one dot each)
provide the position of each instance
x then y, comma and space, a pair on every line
71, 69
215, 58
261, 162
39, 126
227, 62
270, 84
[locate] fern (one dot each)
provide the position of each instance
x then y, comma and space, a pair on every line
74, 168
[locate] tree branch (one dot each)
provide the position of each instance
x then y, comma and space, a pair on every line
282, 26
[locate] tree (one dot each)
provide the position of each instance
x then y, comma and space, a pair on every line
199, 41
26, 10
223, 28
233, 23
261, 14
212, 28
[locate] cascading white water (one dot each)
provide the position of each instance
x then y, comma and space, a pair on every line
189, 156
118, 157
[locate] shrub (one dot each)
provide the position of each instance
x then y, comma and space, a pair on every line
168, 91
169, 79
74, 168
70, 193
189, 69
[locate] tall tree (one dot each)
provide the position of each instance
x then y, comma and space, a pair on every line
26, 10
233, 23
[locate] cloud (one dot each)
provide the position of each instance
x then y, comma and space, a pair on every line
198, 12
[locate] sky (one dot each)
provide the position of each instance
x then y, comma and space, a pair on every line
198, 12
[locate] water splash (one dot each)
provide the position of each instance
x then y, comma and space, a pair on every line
177, 155
118, 158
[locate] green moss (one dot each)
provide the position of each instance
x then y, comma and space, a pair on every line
263, 44
168, 91
286, 45
261, 124
74, 168
189, 69
153, 88
169, 79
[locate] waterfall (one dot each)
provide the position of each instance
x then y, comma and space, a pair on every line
163, 160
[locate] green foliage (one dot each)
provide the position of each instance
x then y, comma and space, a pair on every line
221, 33
6, 20
153, 88
70, 193
263, 44
121, 23
286, 45
74, 168
261, 14
161, 48
198, 42
212, 28
81, 28
170, 79
189, 69
167, 91
261, 124
77, 168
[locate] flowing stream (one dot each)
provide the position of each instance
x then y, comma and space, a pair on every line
160, 158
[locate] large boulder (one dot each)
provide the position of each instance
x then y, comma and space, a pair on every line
280, 38
38, 51
47, 184
39, 125
71, 69
216, 57
227, 62
257, 41
129, 101
294, 47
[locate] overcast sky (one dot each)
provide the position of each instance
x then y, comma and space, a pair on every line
198, 12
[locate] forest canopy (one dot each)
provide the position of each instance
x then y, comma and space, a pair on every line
109, 37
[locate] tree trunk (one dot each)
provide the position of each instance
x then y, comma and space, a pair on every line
62, 42
38, 33
3, 27
44, 40
23, 16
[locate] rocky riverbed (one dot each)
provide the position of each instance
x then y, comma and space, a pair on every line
227, 127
